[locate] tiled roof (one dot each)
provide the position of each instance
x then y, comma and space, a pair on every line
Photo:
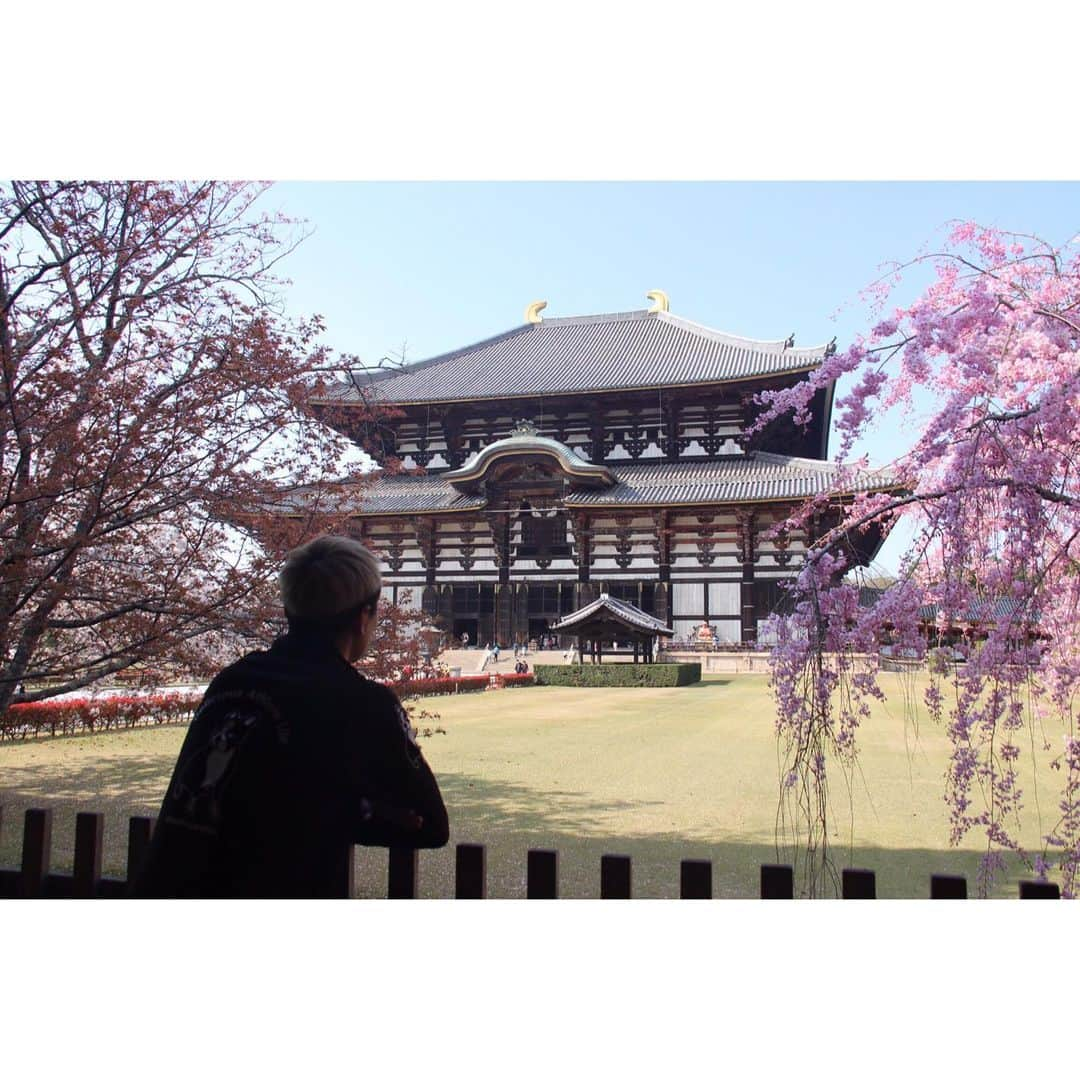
621, 351
400, 495
737, 478
733, 479
981, 611
622, 611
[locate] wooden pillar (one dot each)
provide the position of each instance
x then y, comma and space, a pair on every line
427, 538
662, 592
504, 611
452, 433
579, 526
670, 421
597, 435
500, 540
747, 553
521, 613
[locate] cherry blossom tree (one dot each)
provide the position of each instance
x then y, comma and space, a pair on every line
152, 390
987, 358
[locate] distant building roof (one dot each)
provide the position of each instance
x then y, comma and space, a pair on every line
986, 611
621, 351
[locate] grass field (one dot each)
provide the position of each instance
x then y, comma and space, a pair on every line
659, 775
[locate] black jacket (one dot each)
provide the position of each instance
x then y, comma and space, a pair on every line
291, 757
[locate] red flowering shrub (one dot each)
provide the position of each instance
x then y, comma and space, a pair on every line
71, 715
406, 688
527, 679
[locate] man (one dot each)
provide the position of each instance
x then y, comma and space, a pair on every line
293, 756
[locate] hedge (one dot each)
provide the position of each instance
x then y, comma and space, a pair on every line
70, 715
617, 674
428, 687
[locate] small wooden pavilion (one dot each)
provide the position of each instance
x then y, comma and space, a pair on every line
607, 621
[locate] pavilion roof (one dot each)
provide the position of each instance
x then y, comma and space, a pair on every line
629, 350
608, 609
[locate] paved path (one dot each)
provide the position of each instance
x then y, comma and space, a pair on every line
469, 660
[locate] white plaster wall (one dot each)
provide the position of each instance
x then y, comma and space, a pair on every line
687, 598
724, 598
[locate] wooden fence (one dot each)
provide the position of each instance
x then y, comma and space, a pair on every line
35, 878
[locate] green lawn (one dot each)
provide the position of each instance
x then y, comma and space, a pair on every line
658, 774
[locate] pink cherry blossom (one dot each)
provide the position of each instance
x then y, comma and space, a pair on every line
992, 489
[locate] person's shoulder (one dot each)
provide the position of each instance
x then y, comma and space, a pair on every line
238, 671
239, 683
376, 692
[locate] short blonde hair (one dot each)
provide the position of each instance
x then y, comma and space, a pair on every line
329, 579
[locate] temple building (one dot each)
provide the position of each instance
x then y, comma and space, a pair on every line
571, 457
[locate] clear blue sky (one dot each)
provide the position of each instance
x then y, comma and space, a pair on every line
444, 264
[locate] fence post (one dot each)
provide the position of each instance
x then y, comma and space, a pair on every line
140, 833
470, 872
777, 882
947, 887
858, 885
350, 873
1039, 890
36, 852
542, 875
401, 879
89, 834
695, 879
614, 877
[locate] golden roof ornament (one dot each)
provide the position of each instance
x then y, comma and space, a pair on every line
661, 301
532, 312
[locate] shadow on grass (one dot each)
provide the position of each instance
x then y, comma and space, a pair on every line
509, 818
